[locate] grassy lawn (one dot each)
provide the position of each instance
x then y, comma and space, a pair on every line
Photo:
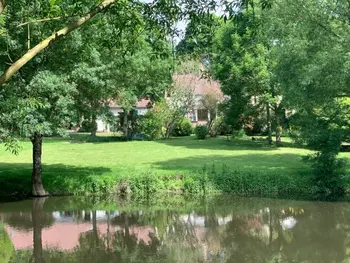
70, 165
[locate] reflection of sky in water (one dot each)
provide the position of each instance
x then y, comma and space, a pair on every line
288, 223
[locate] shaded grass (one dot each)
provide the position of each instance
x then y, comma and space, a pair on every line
142, 166
59, 179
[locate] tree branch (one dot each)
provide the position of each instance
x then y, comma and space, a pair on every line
50, 40
40, 20
3, 4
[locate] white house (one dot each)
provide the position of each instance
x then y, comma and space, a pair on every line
141, 107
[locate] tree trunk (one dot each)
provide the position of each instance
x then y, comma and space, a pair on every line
94, 126
50, 40
269, 123
278, 126
37, 215
108, 231
37, 184
125, 124
94, 229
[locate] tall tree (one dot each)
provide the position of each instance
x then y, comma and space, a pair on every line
43, 107
199, 37
242, 63
311, 47
146, 73
40, 102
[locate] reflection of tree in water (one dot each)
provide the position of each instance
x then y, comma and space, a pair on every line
320, 234
24, 220
240, 244
36, 221
119, 246
38, 216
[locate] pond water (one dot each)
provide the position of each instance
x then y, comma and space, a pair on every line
219, 229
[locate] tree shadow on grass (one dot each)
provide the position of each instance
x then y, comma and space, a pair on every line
286, 163
222, 144
15, 178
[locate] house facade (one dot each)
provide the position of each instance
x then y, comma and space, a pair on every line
198, 115
141, 107
201, 87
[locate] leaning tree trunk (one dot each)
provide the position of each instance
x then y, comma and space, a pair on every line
37, 184
268, 113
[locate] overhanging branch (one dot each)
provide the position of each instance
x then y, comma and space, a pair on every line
50, 40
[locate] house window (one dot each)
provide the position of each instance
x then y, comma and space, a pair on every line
202, 114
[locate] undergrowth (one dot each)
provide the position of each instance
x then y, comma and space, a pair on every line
206, 181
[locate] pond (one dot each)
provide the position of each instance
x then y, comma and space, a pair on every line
174, 229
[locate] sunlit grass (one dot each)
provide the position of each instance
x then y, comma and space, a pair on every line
71, 163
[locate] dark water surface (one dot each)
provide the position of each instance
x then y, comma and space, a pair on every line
174, 229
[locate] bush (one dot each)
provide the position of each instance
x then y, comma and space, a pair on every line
183, 128
238, 134
329, 173
255, 126
87, 126
220, 127
151, 126
201, 132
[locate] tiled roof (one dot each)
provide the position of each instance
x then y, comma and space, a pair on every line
201, 85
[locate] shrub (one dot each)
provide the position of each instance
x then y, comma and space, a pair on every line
151, 126
329, 173
191, 185
183, 128
145, 184
238, 134
201, 132
255, 126
220, 127
87, 126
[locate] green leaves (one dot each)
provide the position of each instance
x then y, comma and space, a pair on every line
44, 106
12, 144
242, 63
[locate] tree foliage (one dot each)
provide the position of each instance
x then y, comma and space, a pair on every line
312, 69
241, 63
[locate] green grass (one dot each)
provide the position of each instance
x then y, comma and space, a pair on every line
72, 166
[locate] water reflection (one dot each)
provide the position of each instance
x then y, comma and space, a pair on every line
241, 231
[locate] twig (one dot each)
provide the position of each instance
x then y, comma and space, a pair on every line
40, 21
